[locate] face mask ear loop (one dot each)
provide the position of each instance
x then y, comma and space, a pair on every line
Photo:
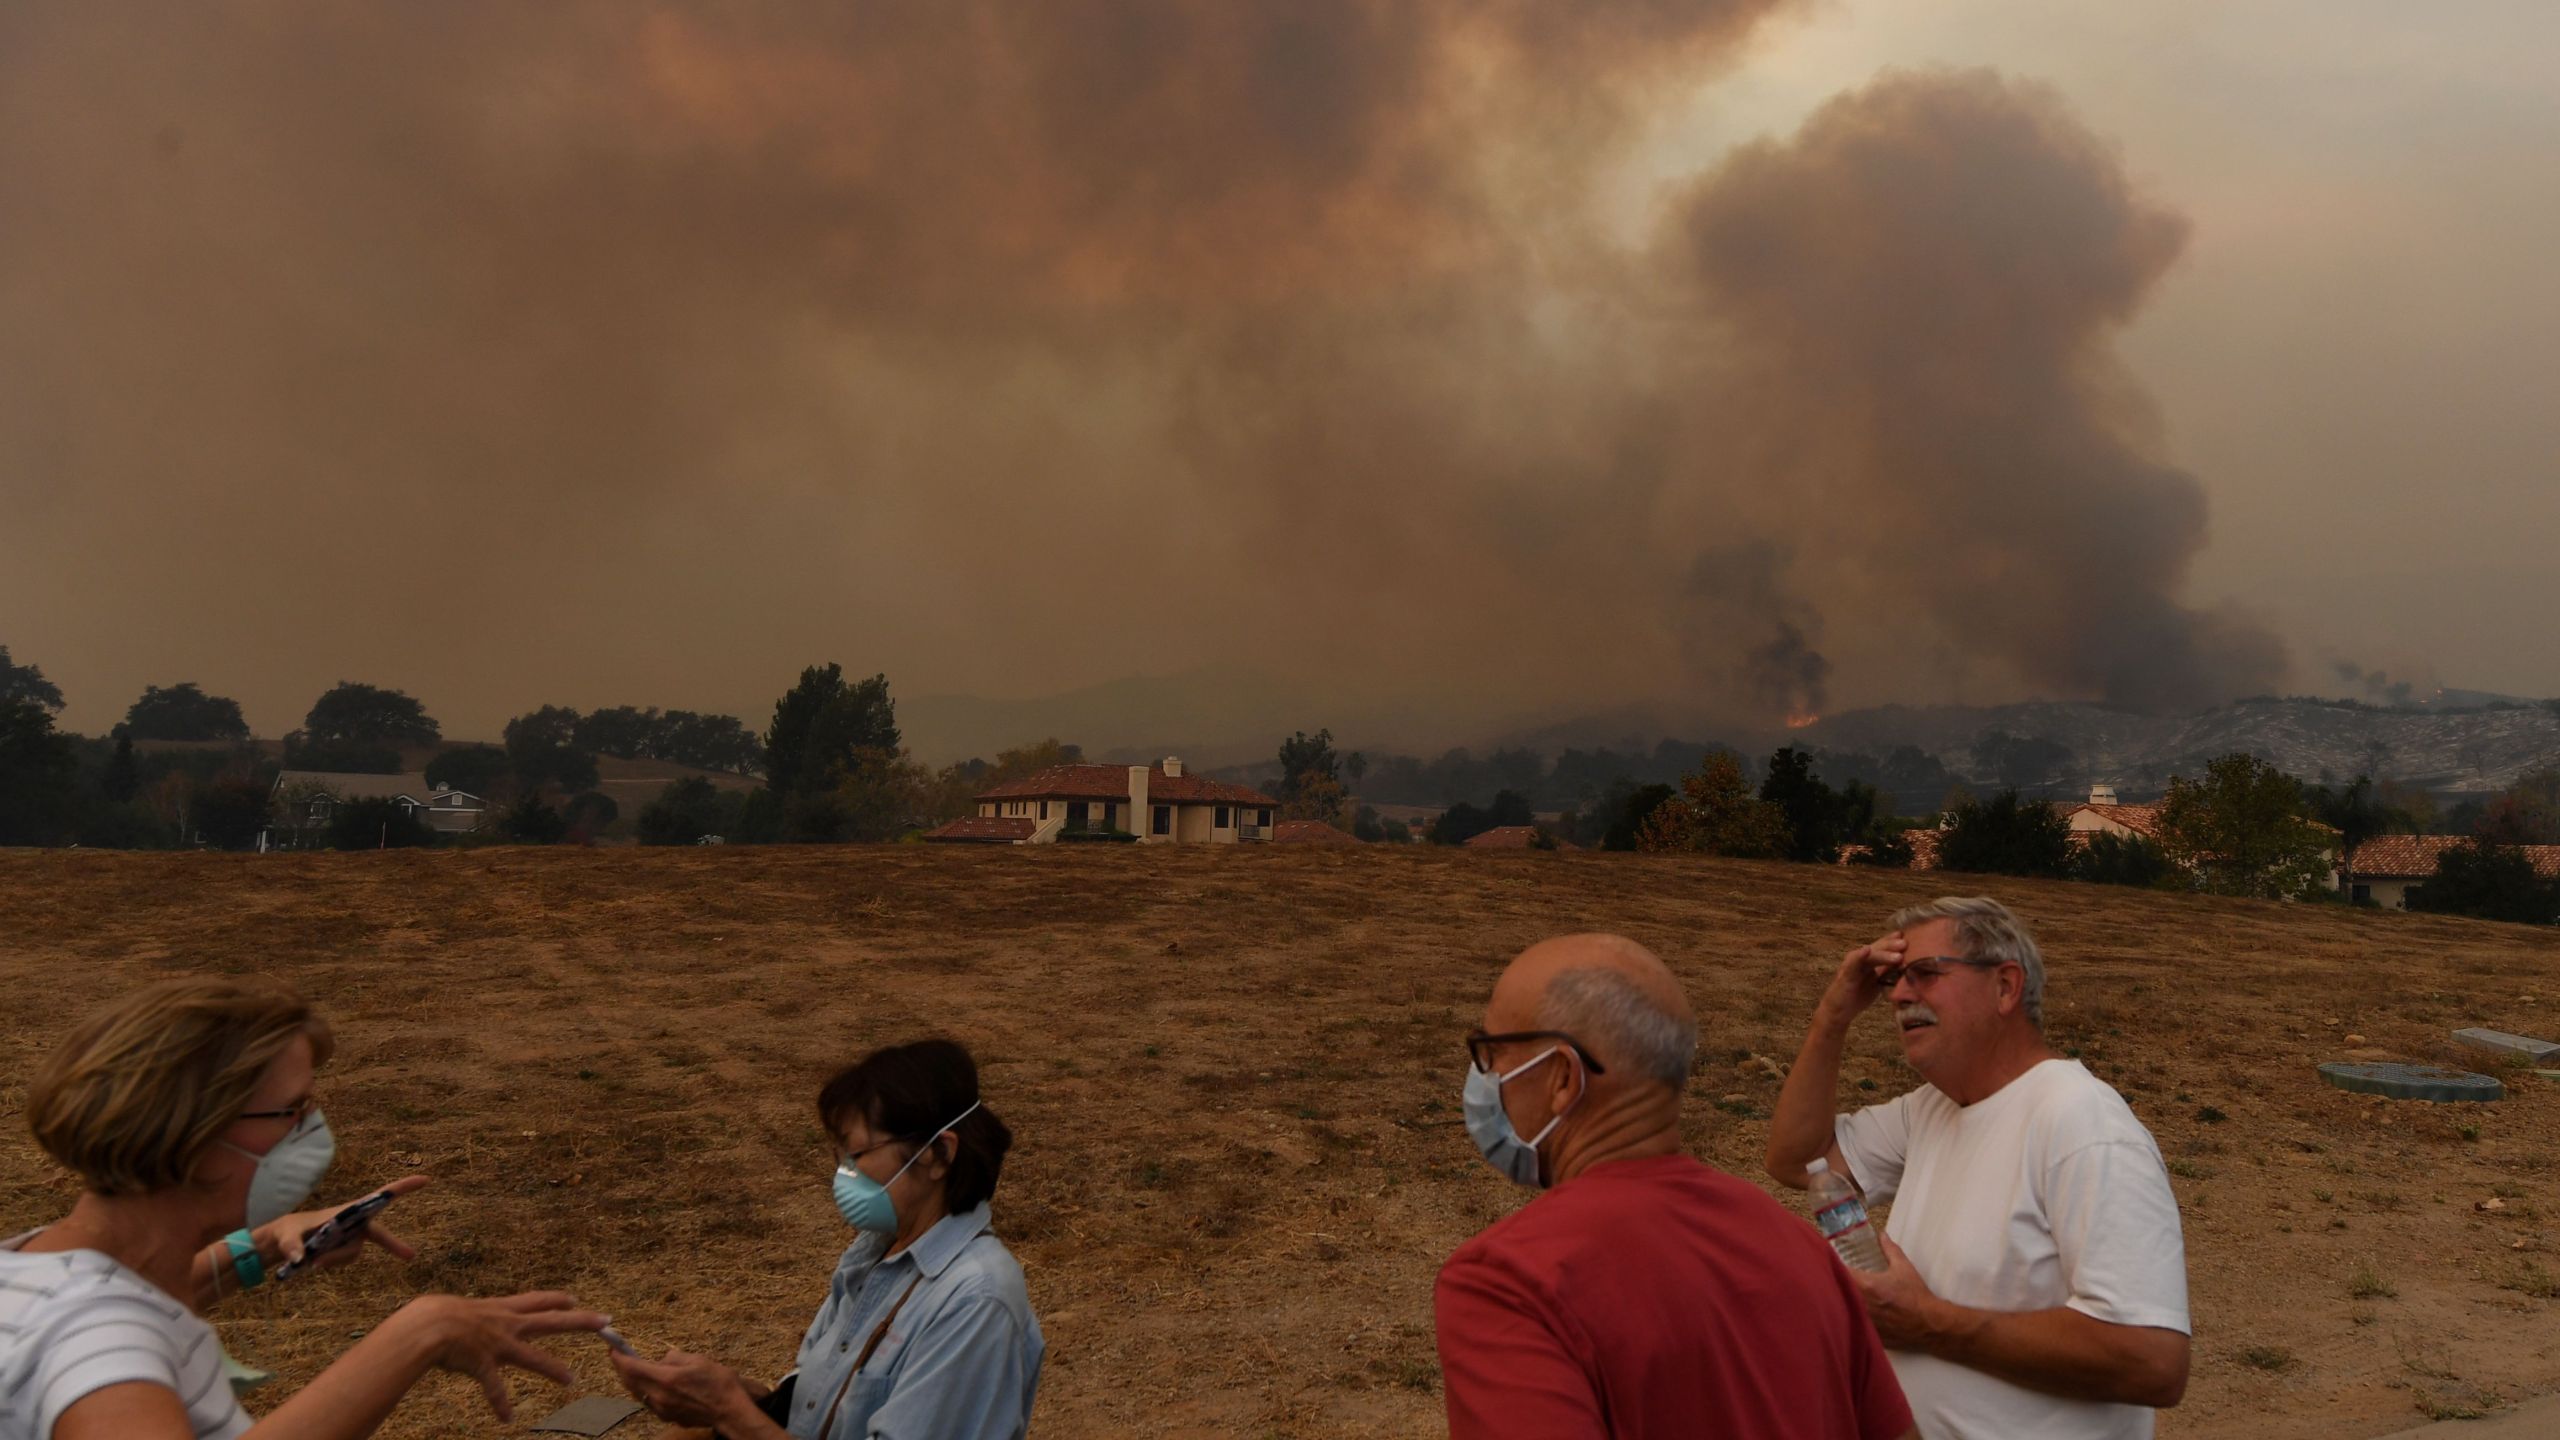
928, 1144
1557, 1119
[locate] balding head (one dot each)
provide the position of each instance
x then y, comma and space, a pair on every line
1611, 994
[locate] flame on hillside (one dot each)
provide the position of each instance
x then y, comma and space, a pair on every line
1799, 719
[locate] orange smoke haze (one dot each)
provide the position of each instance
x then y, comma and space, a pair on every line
618, 352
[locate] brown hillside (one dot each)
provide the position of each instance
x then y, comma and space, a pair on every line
1231, 1192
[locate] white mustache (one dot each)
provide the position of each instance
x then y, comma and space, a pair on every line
1909, 1011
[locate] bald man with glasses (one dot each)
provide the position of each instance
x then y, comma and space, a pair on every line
2036, 1280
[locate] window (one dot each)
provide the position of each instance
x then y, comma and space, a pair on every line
1110, 817
1222, 817
1044, 809
1262, 818
1164, 820
2363, 895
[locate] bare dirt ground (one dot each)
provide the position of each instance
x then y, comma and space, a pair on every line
1233, 1076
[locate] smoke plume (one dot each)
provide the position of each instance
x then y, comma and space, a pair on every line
602, 352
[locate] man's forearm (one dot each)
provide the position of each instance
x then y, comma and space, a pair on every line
1801, 1130
2061, 1352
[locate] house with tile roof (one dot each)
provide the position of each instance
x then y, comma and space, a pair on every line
2386, 869
1158, 804
2101, 815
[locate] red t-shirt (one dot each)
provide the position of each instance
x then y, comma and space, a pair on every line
1653, 1299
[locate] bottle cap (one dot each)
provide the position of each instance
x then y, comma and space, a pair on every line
1817, 1167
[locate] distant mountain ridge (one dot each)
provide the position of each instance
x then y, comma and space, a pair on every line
2462, 751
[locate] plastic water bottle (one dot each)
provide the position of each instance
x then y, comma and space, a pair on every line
1842, 1218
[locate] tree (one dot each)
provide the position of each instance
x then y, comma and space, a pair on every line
2018, 761
1818, 818
820, 725
39, 773
2136, 860
1717, 813
2241, 830
1311, 778
350, 714
377, 824
122, 779
472, 769
1459, 824
1625, 809
530, 822
1885, 847
2006, 836
2526, 812
878, 796
230, 811
184, 712
588, 813
2488, 881
542, 750
625, 732
26, 685
684, 812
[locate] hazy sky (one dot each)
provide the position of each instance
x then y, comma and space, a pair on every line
642, 353
2358, 350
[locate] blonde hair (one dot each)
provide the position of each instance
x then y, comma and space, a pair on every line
131, 1097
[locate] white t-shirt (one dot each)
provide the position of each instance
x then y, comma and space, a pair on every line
2047, 1193
75, 1321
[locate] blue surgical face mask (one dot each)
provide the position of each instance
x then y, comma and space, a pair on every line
865, 1203
1489, 1125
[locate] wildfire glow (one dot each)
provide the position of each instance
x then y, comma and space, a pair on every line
1798, 719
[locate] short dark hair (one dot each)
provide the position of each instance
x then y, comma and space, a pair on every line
907, 1092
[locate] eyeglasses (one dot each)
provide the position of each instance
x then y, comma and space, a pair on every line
1480, 1048
297, 1112
1929, 970
845, 1158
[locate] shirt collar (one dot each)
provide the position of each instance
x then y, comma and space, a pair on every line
938, 1247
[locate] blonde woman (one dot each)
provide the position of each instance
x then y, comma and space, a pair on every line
188, 1112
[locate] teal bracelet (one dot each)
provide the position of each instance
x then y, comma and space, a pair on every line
244, 1259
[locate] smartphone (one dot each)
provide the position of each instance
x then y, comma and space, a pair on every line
339, 1229
613, 1337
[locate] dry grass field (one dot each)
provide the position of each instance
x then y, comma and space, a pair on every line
1234, 1076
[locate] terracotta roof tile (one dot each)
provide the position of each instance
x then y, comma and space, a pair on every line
985, 829
1513, 837
2414, 857
1111, 782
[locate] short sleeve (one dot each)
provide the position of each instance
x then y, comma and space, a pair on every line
1503, 1368
1874, 1141
103, 1340
2115, 1225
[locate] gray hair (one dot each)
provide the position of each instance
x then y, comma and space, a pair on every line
1988, 930
1611, 1013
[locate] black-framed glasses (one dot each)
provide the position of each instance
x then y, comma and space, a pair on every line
296, 1112
845, 1158
1480, 1048
1929, 969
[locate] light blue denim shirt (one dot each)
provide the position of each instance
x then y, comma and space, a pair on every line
961, 1360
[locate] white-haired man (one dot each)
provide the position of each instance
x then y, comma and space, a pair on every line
2038, 1280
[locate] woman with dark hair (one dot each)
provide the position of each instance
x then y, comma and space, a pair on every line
927, 1329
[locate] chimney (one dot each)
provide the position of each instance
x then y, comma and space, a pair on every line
1173, 767
2102, 794
1138, 815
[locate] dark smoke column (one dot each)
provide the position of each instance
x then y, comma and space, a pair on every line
1923, 283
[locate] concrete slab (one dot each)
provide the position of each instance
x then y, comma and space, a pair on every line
2533, 1420
2499, 1042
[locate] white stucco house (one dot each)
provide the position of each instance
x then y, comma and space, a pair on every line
2386, 869
1158, 804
